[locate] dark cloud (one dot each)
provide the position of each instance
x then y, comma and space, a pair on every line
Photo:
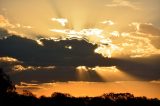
52, 53
55, 53
143, 69
59, 74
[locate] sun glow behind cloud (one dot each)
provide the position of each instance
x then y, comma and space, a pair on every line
94, 36
107, 73
119, 29
78, 21
111, 73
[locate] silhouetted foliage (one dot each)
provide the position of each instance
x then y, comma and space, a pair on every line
5, 83
28, 93
9, 97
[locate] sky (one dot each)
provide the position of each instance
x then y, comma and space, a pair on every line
99, 45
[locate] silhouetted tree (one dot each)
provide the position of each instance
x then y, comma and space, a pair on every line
6, 84
28, 93
60, 95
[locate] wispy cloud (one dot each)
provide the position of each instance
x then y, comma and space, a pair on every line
146, 28
8, 59
23, 26
122, 3
62, 21
31, 68
108, 22
5, 22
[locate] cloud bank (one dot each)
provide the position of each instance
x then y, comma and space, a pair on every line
54, 62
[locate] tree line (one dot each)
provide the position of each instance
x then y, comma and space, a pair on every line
9, 97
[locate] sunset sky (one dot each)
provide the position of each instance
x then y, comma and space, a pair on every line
81, 47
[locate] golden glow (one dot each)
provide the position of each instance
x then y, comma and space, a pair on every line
82, 72
112, 73
39, 42
138, 88
82, 68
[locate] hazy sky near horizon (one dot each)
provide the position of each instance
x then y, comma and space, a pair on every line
45, 41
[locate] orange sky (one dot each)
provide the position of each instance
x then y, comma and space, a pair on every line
138, 88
